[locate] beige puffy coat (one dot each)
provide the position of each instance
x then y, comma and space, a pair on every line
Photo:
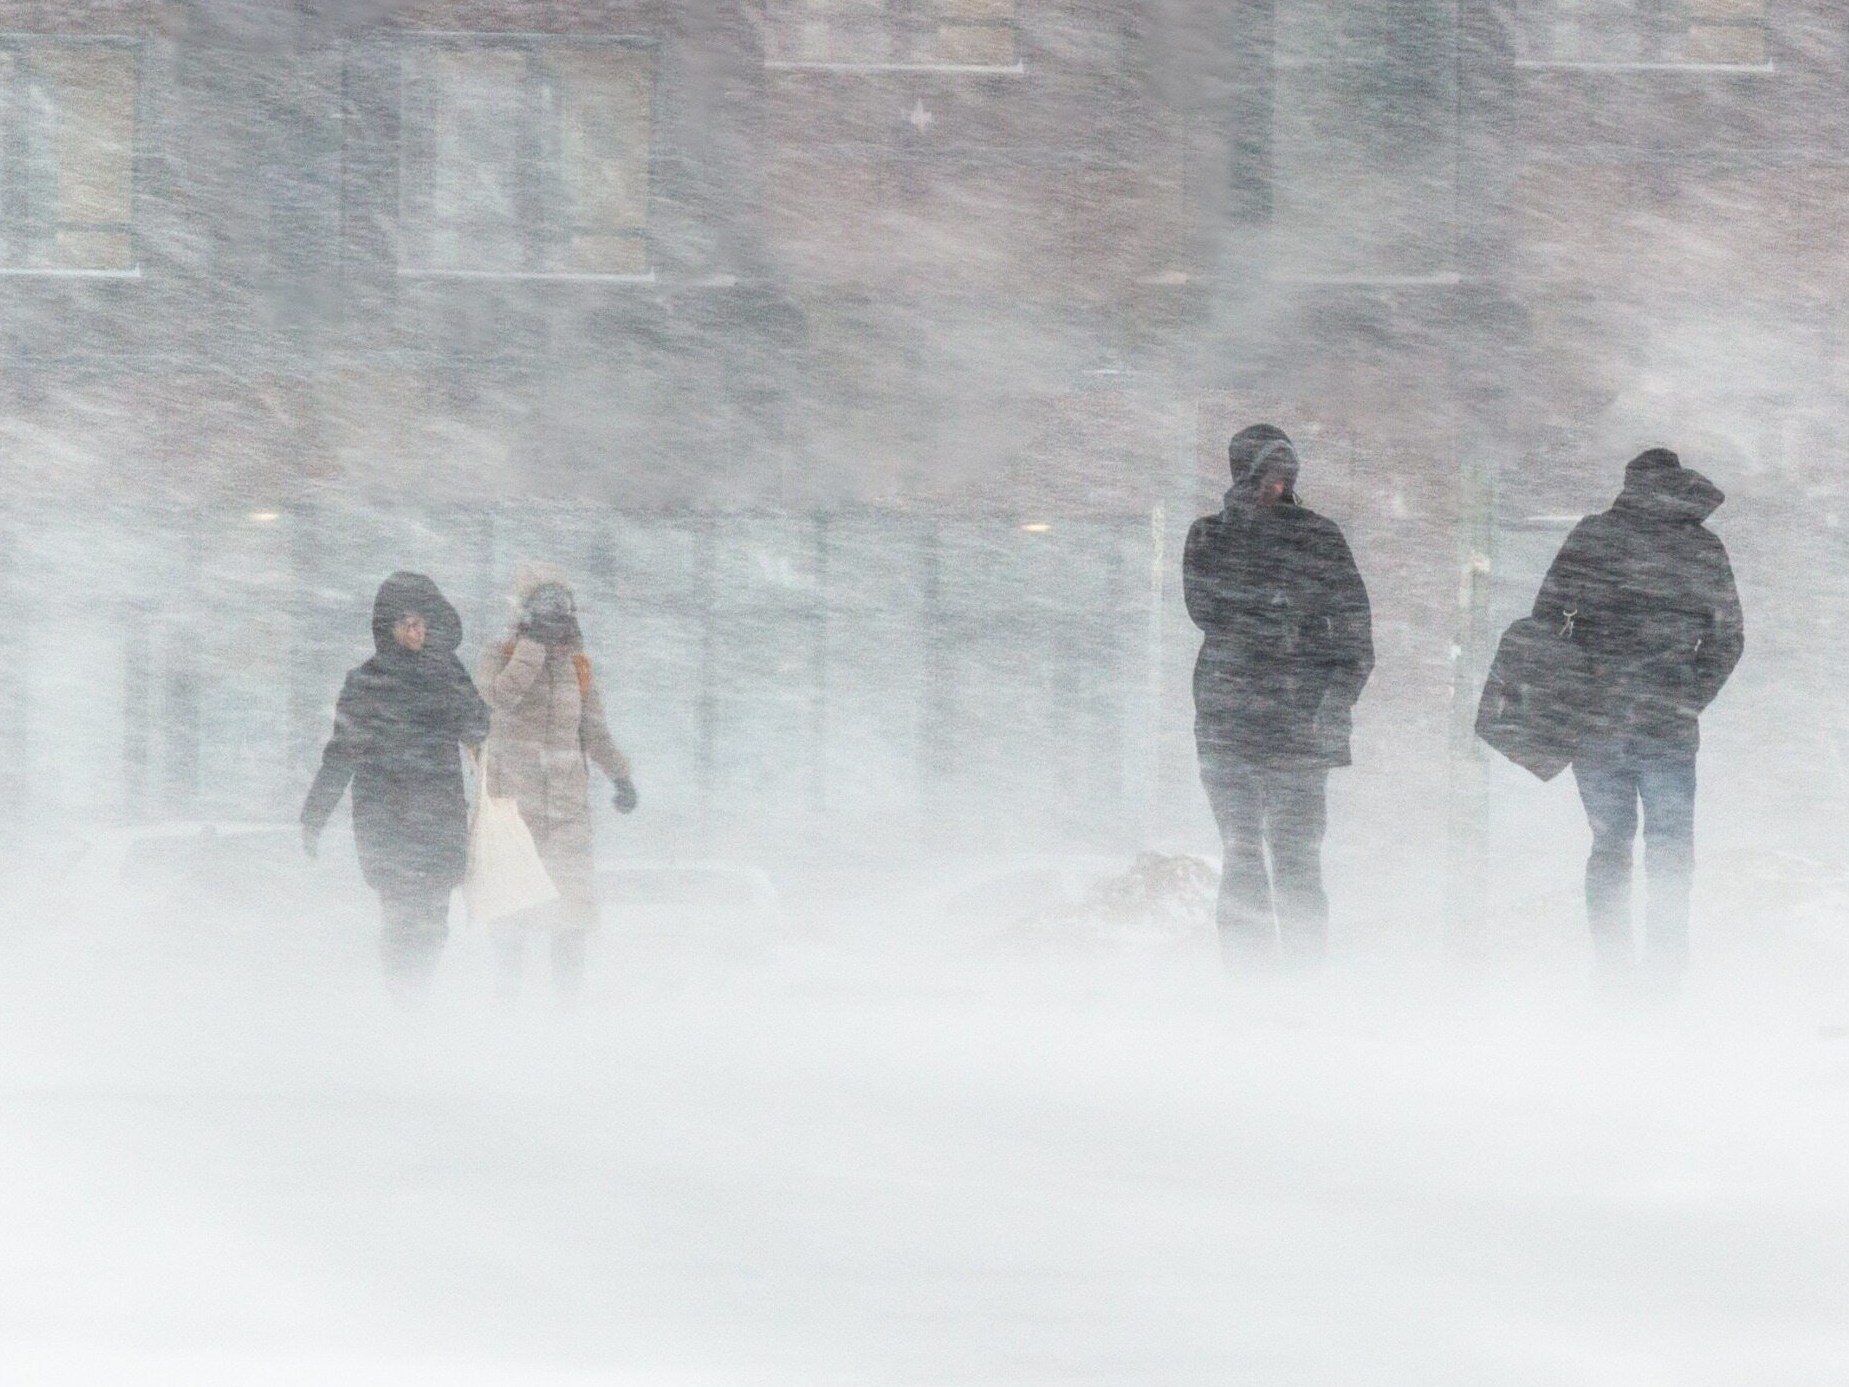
548, 727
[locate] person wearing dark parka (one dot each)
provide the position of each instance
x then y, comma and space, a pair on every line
1646, 588
1288, 649
400, 726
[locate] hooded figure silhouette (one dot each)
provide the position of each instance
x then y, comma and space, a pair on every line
1288, 648
399, 726
1647, 590
549, 728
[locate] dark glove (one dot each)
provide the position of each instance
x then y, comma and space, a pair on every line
550, 616
625, 796
549, 631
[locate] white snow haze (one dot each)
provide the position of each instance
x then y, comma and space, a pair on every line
861, 366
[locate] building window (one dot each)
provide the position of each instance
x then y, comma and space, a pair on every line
526, 158
894, 35
1645, 33
67, 146
1364, 144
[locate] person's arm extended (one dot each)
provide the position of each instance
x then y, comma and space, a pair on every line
1726, 639
508, 674
594, 726
338, 760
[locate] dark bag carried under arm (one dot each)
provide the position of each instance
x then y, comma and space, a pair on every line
1536, 703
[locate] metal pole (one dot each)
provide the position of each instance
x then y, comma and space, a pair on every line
1479, 402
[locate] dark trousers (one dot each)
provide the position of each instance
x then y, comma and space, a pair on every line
1614, 779
1283, 813
416, 924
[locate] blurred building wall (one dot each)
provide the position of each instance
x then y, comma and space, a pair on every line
868, 361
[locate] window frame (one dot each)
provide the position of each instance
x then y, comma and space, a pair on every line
530, 44
12, 138
907, 23
1655, 31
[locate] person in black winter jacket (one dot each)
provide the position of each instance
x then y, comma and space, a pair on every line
1646, 588
398, 728
1289, 646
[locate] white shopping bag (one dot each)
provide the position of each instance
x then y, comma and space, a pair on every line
506, 875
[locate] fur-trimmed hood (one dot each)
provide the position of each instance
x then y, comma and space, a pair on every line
530, 575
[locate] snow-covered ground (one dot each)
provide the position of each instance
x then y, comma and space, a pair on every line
863, 1164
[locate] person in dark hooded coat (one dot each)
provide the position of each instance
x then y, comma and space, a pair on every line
1289, 646
1648, 591
399, 727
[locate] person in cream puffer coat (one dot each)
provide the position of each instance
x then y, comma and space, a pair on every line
548, 728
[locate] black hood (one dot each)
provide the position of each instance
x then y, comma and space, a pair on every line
404, 593
1657, 484
1255, 454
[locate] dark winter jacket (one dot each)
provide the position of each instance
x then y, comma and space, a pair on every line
398, 727
1289, 632
1647, 589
